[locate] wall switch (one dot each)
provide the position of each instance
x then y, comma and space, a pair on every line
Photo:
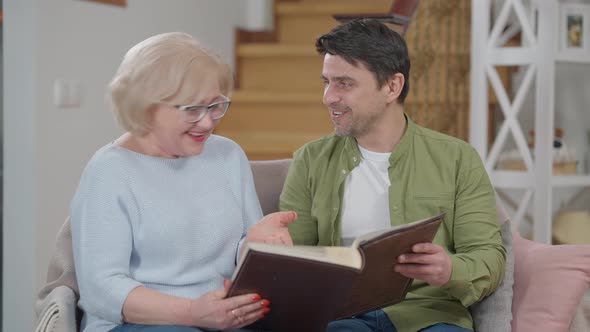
67, 93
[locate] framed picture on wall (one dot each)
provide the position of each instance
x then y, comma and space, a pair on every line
122, 3
574, 31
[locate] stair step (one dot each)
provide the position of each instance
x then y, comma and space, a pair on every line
266, 66
276, 50
281, 73
304, 29
308, 49
270, 145
313, 99
333, 7
303, 22
274, 114
242, 97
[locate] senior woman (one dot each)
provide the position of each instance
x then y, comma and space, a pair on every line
161, 212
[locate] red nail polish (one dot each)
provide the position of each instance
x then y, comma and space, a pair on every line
266, 310
265, 303
256, 298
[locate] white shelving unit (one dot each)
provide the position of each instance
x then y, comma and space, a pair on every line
538, 22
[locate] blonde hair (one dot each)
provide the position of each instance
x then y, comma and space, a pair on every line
168, 67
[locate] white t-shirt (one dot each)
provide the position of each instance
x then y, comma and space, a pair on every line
365, 207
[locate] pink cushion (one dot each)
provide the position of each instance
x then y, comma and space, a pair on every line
549, 283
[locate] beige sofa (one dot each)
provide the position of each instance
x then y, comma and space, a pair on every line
557, 304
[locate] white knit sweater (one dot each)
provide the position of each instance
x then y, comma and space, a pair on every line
172, 225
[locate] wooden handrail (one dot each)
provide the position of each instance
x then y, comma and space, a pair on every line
400, 14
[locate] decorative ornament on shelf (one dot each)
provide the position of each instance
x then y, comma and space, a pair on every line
564, 158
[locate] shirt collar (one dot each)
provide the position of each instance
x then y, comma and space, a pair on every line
353, 155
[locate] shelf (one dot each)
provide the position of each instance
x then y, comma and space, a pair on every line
570, 180
511, 179
541, 23
511, 56
582, 58
521, 180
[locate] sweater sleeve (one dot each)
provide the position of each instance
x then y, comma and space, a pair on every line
251, 210
101, 213
479, 259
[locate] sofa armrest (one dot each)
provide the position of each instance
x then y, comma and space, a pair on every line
494, 313
57, 311
56, 307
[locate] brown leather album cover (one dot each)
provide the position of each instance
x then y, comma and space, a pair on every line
310, 286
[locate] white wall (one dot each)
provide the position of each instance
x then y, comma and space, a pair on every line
46, 147
19, 156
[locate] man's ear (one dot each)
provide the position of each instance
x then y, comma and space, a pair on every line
395, 85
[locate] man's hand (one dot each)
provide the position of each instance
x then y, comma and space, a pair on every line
273, 229
428, 262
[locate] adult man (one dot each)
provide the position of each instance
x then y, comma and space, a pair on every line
379, 169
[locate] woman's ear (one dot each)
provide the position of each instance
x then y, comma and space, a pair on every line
148, 120
395, 85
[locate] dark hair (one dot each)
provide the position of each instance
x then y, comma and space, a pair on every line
382, 50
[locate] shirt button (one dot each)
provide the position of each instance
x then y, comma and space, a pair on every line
343, 171
354, 159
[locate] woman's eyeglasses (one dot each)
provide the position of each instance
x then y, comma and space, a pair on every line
195, 113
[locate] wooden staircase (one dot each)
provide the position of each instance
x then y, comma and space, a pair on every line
277, 106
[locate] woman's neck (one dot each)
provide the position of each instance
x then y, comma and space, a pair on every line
142, 144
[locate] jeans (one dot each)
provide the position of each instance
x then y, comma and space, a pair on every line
153, 328
372, 321
441, 327
159, 328
378, 321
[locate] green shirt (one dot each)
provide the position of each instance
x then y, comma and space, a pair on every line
429, 173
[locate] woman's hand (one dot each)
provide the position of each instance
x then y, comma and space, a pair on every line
273, 228
213, 310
